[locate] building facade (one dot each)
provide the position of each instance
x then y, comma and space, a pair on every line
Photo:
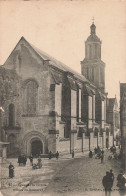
113, 118
51, 107
123, 122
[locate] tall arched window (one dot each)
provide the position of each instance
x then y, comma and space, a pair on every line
30, 97
11, 115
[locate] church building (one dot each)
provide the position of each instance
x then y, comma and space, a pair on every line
50, 107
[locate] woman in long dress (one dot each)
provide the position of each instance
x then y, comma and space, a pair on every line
11, 171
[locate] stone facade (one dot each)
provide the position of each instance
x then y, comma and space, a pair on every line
53, 107
123, 122
113, 118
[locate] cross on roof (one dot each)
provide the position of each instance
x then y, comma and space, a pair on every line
93, 20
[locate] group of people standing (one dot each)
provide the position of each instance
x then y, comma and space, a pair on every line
22, 159
51, 155
108, 180
99, 153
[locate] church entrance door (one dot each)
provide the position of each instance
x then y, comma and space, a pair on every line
36, 147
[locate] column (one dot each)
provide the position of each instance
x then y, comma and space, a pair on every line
93, 100
58, 102
72, 142
91, 141
104, 139
83, 141
79, 105
90, 112
98, 139
4, 152
73, 109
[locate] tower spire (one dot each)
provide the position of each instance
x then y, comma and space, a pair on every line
93, 20
93, 27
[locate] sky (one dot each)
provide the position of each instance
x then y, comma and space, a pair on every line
61, 27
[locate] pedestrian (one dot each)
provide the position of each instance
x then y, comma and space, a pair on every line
19, 160
102, 151
90, 154
73, 154
11, 171
111, 175
121, 183
57, 155
24, 160
39, 164
107, 183
50, 155
102, 157
95, 150
31, 159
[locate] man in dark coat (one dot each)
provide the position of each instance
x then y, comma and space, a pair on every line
11, 171
102, 151
57, 155
24, 160
90, 154
102, 157
31, 159
50, 155
121, 183
111, 175
107, 183
19, 160
73, 154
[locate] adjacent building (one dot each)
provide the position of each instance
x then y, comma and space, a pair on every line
50, 107
113, 118
123, 122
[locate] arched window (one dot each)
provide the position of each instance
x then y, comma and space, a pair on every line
30, 97
11, 115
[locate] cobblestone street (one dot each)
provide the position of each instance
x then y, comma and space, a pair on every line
66, 176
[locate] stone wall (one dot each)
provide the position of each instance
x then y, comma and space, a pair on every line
64, 146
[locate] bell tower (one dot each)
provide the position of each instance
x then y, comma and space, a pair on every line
92, 67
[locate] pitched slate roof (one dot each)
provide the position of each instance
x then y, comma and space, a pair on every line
54, 62
58, 64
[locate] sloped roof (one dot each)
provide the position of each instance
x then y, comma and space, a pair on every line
93, 38
54, 62
58, 64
